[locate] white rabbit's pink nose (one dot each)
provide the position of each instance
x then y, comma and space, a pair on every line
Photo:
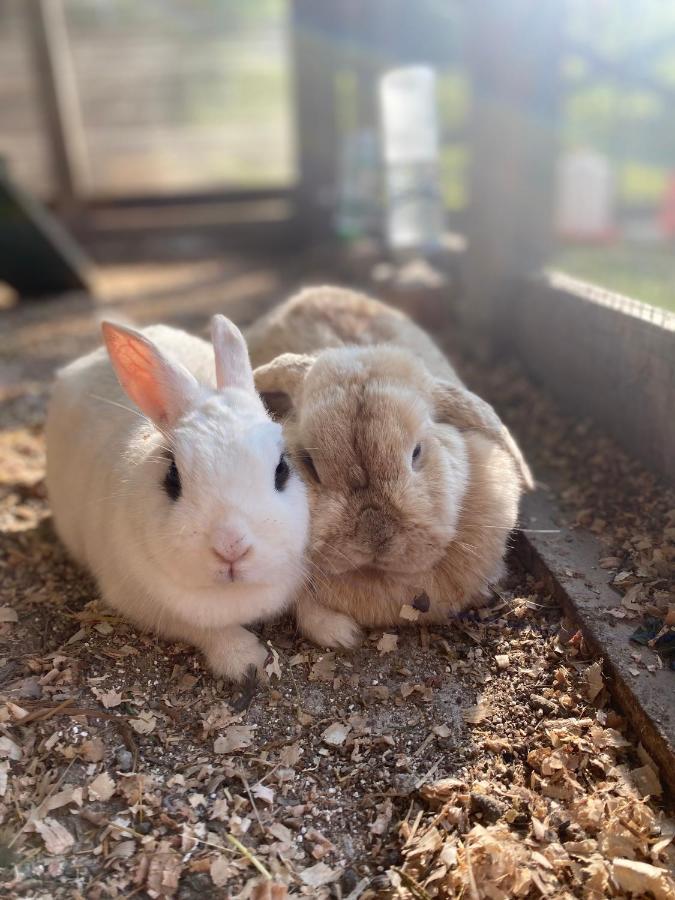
230, 545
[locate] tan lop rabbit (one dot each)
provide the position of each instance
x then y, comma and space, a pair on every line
414, 481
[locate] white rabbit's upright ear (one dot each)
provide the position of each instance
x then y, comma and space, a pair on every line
161, 389
467, 411
233, 367
278, 382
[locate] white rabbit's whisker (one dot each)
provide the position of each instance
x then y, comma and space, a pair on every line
128, 409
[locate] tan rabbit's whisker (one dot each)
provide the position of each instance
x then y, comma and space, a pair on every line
306, 574
335, 550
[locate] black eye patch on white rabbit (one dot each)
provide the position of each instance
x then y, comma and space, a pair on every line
172, 483
169, 481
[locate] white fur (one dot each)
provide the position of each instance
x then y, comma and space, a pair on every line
154, 557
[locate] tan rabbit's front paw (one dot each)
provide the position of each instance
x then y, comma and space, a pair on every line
235, 653
326, 627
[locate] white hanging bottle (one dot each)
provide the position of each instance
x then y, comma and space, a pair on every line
584, 208
415, 214
358, 206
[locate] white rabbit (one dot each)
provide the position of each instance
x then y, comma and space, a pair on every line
189, 512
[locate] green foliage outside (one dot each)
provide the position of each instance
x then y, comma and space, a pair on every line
625, 112
643, 272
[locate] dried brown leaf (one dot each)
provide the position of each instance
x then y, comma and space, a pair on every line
17, 712
234, 738
269, 890
290, 754
263, 792
319, 874
272, 667
409, 613
10, 749
336, 734
163, 872
69, 794
647, 781
221, 870
474, 715
281, 833
102, 787
57, 838
109, 699
387, 643
324, 668
381, 824
93, 750
641, 878
594, 680
145, 723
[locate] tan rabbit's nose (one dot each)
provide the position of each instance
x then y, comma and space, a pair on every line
375, 527
230, 545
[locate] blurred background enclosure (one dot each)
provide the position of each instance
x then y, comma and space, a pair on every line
169, 98
174, 96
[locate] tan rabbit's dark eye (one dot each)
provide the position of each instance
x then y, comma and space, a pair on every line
307, 461
281, 473
172, 484
416, 453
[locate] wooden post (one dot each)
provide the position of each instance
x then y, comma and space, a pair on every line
368, 61
315, 56
514, 64
57, 85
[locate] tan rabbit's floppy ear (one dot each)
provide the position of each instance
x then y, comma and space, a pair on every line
163, 390
233, 367
279, 381
465, 410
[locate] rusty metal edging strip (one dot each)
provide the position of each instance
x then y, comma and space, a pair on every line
568, 563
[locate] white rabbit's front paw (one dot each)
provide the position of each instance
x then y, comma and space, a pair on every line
235, 653
328, 628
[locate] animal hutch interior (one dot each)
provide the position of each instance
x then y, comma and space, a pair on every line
502, 172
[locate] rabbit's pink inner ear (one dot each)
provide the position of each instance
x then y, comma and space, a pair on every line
146, 377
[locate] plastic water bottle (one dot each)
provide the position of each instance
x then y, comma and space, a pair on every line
584, 208
358, 207
415, 213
